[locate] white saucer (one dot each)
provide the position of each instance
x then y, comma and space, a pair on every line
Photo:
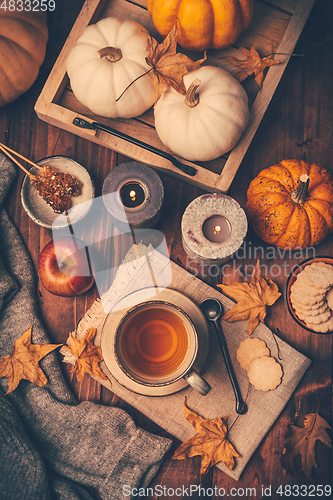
146, 295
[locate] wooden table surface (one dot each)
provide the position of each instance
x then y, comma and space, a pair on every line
298, 124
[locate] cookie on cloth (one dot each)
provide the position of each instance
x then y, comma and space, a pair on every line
249, 349
265, 373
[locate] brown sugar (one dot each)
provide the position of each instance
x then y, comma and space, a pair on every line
56, 188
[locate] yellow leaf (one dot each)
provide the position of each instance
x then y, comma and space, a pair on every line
210, 442
88, 356
23, 362
252, 299
168, 66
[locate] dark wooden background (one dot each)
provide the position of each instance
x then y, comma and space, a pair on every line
298, 124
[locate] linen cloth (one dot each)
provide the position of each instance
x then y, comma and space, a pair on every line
263, 407
51, 446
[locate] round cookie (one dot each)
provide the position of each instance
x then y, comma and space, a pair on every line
311, 312
265, 373
329, 298
317, 318
249, 349
325, 269
317, 309
308, 288
315, 276
311, 307
305, 299
311, 296
325, 327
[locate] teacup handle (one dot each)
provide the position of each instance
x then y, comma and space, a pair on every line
197, 382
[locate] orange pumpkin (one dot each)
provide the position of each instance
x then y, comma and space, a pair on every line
202, 24
291, 204
22, 50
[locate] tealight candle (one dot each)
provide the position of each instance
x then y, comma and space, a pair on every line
213, 227
133, 194
216, 229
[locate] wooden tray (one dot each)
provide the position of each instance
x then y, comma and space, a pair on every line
276, 24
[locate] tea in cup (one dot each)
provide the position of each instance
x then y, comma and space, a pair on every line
156, 344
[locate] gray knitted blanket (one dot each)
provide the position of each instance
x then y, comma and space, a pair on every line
51, 446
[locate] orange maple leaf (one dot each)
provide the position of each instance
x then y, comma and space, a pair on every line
252, 298
210, 442
88, 356
23, 362
252, 64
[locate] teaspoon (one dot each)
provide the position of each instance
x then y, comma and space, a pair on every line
212, 309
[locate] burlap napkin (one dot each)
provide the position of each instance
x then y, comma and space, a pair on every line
167, 411
51, 446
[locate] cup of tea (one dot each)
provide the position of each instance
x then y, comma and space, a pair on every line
156, 344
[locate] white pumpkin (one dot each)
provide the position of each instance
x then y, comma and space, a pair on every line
107, 57
209, 121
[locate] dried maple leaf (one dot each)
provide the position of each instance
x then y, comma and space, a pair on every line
210, 442
302, 440
252, 64
252, 298
168, 66
87, 355
23, 362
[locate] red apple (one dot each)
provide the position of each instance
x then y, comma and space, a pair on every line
64, 268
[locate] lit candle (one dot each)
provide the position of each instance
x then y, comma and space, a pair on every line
216, 229
213, 227
132, 195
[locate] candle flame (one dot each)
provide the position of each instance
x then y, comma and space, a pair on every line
132, 195
216, 229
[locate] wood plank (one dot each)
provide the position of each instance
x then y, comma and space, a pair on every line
142, 3
286, 5
57, 78
203, 178
266, 29
270, 84
141, 128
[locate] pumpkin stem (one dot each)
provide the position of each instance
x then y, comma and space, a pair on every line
112, 54
192, 98
301, 192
